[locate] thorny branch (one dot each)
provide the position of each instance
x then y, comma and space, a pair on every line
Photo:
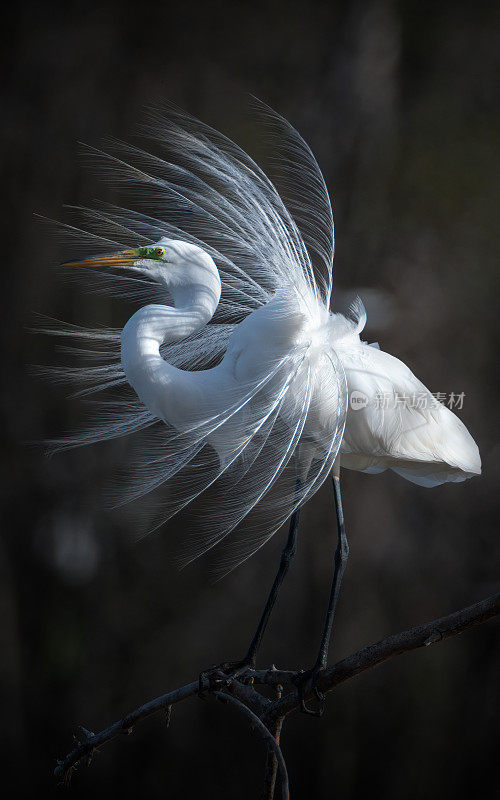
268, 715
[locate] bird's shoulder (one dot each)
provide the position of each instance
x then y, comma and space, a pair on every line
268, 334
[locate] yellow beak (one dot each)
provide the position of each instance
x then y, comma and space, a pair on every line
122, 259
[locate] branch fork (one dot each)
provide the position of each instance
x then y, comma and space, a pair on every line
267, 715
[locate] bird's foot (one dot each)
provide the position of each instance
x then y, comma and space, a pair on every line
223, 674
306, 683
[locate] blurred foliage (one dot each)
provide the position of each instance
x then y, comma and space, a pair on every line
398, 101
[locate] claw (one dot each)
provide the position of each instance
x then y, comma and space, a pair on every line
305, 683
204, 674
319, 695
213, 674
224, 674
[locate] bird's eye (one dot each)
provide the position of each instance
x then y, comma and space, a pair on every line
160, 251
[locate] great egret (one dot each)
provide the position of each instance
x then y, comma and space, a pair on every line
242, 385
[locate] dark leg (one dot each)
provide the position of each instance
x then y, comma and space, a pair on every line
235, 668
286, 556
340, 561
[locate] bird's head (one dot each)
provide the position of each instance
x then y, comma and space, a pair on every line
177, 264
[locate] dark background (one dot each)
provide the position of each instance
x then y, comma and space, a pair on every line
397, 100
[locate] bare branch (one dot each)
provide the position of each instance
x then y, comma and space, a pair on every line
265, 713
89, 742
421, 636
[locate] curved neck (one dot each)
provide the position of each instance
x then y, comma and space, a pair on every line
155, 325
150, 327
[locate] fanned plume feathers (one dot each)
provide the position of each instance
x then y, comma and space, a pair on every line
270, 444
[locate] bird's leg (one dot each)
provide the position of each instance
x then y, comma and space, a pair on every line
286, 557
308, 679
231, 669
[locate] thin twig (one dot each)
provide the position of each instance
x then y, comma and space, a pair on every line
271, 772
272, 762
92, 741
271, 741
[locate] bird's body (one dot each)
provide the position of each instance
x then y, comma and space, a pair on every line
267, 393
399, 424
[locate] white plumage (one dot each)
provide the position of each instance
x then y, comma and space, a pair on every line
233, 372
401, 425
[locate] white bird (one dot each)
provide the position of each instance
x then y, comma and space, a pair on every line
241, 382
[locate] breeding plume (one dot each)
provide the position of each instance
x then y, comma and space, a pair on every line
232, 377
